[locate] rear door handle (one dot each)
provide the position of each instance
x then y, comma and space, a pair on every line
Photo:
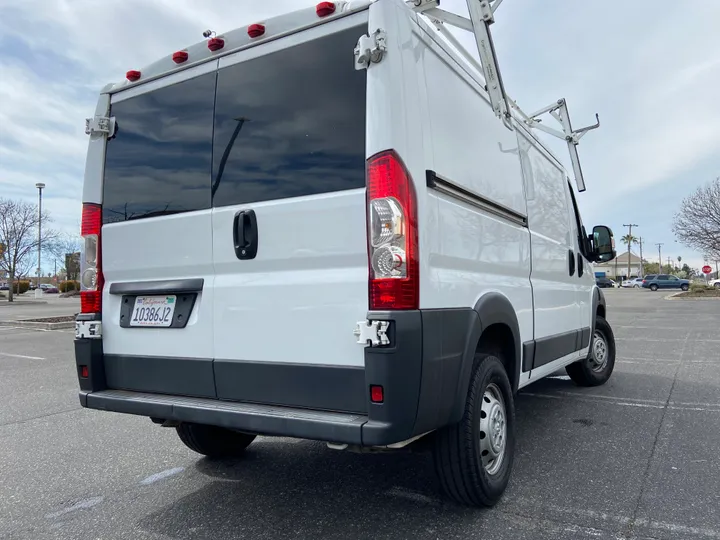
245, 234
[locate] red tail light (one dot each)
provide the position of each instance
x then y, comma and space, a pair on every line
215, 44
377, 394
256, 30
180, 57
392, 234
91, 280
323, 9
133, 75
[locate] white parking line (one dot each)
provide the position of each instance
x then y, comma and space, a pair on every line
414, 496
628, 402
21, 356
624, 520
161, 475
82, 505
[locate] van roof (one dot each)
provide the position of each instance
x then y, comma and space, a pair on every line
238, 39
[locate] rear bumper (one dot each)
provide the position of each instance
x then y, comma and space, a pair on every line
421, 372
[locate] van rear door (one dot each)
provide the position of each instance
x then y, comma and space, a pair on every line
157, 237
289, 227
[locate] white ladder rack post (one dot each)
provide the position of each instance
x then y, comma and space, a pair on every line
482, 15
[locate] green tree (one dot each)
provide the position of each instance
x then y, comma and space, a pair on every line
628, 239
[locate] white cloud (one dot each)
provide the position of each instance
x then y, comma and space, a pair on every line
650, 69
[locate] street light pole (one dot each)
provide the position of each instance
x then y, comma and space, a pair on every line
660, 258
38, 291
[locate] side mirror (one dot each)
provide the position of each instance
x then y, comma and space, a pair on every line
603, 244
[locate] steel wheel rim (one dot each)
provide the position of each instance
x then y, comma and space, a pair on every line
599, 351
493, 429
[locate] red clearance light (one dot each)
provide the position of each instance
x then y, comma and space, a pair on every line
256, 30
394, 274
84, 373
133, 75
216, 43
323, 9
180, 57
376, 394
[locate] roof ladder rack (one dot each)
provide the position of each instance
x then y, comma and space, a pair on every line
482, 15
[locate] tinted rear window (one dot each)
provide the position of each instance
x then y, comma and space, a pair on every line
291, 123
160, 159
286, 124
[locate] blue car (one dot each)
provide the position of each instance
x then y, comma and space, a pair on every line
664, 281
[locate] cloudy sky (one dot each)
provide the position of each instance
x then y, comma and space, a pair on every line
652, 71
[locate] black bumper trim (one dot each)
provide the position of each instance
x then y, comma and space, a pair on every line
253, 418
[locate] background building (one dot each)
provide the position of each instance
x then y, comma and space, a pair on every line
619, 266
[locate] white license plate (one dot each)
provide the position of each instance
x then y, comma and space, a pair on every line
153, 311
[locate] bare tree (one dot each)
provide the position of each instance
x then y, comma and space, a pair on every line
19, 222
63, 248
697, 224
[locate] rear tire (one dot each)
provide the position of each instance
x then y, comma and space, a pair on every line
598, 366
653, 287
474, 458
213, 441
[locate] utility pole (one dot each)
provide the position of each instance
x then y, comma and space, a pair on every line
669, 267
642, 270
660, 256
630, 226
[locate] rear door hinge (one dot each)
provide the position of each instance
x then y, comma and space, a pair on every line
99, 125
370, 49
373, 333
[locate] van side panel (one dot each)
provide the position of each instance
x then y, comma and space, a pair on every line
554, 277
480, 252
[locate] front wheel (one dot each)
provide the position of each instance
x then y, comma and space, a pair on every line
653, 287
684, 287
600, 362
473, 458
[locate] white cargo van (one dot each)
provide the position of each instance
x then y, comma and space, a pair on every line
317, 226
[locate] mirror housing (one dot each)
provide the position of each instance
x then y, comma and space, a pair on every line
603, 244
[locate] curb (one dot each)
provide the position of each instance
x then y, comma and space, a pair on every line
5, 303
676, 296
39, 325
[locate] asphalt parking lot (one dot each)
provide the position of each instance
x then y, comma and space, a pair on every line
636, 458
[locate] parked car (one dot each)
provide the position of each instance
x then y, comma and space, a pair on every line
4, 287
665, 281
48, 288
605, 283
714, 283
634, 283
417, 331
